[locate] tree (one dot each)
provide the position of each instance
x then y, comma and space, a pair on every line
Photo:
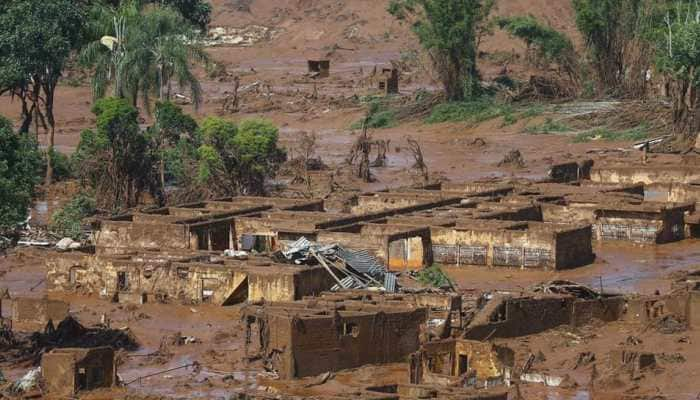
115, 159
610, 29
36, 38
237, 159
140, 51
20, 163
450, 31
173, 131
549, 45
678, 57
197, 12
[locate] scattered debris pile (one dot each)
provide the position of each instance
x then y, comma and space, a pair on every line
68, 333
351, 269
565, 287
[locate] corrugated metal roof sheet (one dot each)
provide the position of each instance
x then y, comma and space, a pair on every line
390, 282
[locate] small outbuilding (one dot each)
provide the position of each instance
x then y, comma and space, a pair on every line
71, 370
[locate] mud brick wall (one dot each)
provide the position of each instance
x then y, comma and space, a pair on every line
568, 214
38, 311
574, 248
498, 247
645, 174
61, 367
571, 171
526, 317
279, 285
663, 227
331, 343
145, 236
606, 309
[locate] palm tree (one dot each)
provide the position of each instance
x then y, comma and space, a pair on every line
142, 51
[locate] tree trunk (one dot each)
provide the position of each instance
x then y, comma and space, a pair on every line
49, 89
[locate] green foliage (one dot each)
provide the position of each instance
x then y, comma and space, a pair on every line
637, 133
155, 47
380, 116
237, 159
67, 221
20, 163
449, 30
434, 276
608, 26
548, 126
36, 39
61, 163
115, 159
174, 137
474, 111
551, 45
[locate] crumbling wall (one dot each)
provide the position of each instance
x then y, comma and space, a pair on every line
523, 316
142, 235
645, 174
574, 247
38, 311
349, 340
604, 309
278, 285
67, 371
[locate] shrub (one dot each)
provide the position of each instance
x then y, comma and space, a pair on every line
634, 134
434, 276
548, 126
470, 111
67, 221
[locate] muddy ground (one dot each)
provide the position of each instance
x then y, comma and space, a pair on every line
358, 35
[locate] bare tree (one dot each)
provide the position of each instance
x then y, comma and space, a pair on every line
419, 164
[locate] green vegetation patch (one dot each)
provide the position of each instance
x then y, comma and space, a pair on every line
640, 132
473, 111
434, 276
547, 127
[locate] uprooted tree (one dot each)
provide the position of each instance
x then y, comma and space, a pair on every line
450, 31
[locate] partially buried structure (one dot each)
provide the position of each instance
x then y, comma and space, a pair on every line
68, 371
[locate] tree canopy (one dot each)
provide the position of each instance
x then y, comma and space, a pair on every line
450, 31
140, 52
36, 39
20, 163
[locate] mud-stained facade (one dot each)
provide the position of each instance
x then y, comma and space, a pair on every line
305, 339
68, 371
512, 316
186, 279
35, 313
462, 363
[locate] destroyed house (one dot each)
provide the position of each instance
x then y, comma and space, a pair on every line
68, 371
196, 226
194, 278
319, 68
445, 307
388, 81
614, 220
646, 174
34, 313
399, 247
462, 363
503, 243
508, 315
304, 339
